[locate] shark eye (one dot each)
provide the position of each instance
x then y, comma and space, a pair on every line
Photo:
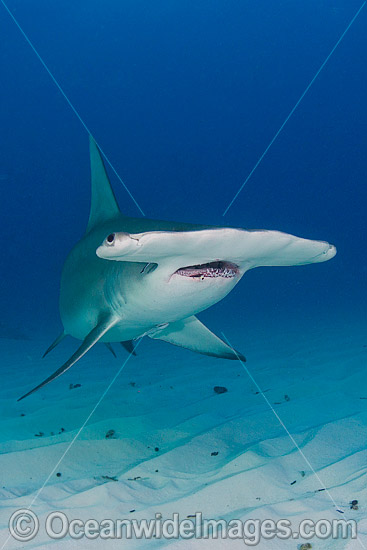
110, 239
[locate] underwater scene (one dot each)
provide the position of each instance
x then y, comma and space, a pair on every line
156, 389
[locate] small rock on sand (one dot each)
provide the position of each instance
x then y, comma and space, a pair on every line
220, 389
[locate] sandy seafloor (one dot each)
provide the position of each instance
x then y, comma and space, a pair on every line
164, 398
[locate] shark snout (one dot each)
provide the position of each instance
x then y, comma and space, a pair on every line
328, 253
331, 252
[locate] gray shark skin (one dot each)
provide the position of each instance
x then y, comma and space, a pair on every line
131, 277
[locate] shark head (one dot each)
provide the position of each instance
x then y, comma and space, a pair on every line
119, 246
178, 274
188, 271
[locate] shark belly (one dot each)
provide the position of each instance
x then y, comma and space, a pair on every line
155, 299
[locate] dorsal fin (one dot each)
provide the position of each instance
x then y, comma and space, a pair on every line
103, 201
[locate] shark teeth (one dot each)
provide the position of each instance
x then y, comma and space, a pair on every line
213, 270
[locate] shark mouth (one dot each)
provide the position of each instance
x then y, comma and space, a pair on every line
222, 269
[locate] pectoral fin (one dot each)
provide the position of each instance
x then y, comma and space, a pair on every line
89, 341
190, 333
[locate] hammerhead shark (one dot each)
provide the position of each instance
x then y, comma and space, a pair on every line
131, 277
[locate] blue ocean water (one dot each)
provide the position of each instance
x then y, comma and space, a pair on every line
184, 98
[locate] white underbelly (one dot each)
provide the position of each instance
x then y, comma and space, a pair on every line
164, 302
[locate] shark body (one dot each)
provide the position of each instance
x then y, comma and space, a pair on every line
131, 277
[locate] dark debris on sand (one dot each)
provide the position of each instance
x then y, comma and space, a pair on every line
220, 389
